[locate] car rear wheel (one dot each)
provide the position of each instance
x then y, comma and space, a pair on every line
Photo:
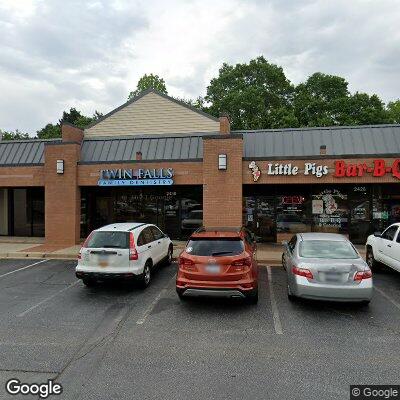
372, 263
290, 296
252, 298
180, 295
89, 282
145, 277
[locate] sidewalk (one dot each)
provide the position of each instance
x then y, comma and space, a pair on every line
267, 253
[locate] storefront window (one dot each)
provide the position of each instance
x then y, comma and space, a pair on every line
177, 212
26, 211
330, 210
292, 214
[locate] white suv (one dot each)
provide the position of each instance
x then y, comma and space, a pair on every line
125, 251
384, 248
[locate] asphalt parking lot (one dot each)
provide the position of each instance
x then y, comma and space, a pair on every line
112, 342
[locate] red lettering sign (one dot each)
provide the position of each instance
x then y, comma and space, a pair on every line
378, 169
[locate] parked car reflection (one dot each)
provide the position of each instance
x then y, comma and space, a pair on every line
290, 223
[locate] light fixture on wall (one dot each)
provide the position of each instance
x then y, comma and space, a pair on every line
60, 166
222, 161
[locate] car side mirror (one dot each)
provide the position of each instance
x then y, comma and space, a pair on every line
377, 234
284, 243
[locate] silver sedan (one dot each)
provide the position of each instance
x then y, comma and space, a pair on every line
326, 266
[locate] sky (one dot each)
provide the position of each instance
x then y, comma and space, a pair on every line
57, 54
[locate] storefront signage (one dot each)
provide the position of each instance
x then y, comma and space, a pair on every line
378, 169
289, 169
255, 171
139, 177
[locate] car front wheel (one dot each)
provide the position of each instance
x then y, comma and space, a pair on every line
372, 263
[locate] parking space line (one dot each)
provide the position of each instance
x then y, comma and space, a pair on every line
394, 302
274, 307
20, 269
46, 300
149, 309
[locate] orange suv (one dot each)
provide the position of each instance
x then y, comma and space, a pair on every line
219, 262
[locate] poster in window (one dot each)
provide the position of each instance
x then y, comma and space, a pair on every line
317, 206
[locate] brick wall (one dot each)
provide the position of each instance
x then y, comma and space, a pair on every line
62, 195
222, 190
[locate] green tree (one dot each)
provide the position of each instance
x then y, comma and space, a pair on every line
256, 95
393, 109
324, 100
317, 100
149, 81
72, 116
13, 135
362, 109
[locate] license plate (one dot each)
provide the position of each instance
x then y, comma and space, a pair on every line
103, 261
213, 269
332, 277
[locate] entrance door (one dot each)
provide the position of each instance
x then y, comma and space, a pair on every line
259, 217
360, 214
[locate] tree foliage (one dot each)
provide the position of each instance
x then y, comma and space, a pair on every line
393, 108
150, 81
256, 95
13, 135
72, 116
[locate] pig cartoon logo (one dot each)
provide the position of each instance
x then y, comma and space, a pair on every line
330, 204
255, 171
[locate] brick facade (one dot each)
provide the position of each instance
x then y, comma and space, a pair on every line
222, 189
62, 195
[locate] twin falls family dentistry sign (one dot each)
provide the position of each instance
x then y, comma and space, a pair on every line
139, 177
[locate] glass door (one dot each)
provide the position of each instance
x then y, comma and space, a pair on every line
259, 217
360, 214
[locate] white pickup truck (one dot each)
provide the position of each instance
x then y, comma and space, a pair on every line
384, 248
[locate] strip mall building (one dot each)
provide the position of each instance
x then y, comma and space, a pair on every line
157, 160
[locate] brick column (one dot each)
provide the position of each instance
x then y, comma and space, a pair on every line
62, 194
222, 189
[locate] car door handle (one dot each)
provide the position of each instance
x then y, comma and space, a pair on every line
159, 241
389, 245
149, 247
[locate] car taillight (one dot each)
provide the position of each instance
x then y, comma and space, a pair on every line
303, 272
84, 245
359, 276
242, 262
133, 254
186, 263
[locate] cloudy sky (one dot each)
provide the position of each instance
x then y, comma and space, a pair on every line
57, 54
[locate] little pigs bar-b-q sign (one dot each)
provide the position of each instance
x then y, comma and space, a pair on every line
139, 177
378, 169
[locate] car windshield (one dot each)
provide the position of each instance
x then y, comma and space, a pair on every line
113, 240
333, 249
215, 247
